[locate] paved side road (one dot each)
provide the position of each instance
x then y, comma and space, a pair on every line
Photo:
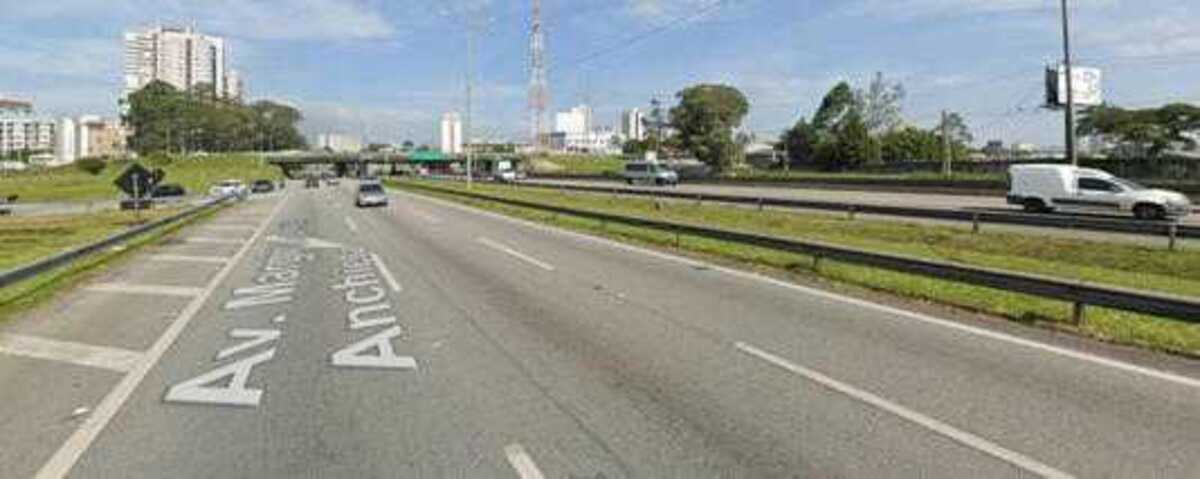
299, 336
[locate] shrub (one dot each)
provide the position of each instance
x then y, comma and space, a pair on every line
91, 165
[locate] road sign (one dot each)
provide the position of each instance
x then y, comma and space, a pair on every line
1086, 82
137, 181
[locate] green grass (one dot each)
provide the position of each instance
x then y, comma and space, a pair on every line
916, 177
578, 165
69, 183
27, 239
1123, 265
30, 293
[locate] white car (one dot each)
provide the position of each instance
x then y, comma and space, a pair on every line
1046, 188
650, 172
229, 188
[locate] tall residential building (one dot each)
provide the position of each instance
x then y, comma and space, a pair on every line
452, 134
577, 121
21, 131
181, 57
339, 143
66, 148
633, 125
235, 86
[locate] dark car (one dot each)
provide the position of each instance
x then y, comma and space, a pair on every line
312, 182
262, 186
168, 193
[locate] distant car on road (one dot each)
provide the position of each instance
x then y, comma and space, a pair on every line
1047, 188
505, 176
649, 172
229, 188
371, 193
262, 186
168, 193
312, 182
332, 181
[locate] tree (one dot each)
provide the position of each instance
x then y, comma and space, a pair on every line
910, 144
956, 128
836, 105
801, 142
705, 119
93, 166
851, 146
1145, 132
408, 144
880, 105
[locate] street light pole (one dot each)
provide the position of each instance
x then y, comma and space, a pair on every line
1072, 155
470, 92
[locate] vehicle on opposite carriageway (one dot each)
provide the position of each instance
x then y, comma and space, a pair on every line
1047, 187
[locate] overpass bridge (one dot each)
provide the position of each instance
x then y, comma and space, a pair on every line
357, 164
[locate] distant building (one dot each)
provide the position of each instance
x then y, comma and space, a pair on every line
21, 131
67, 144
452, 134
181, 57
235, 86
633, 125
574, 131
338, 143
99, 137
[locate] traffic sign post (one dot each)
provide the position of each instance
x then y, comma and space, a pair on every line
137, 182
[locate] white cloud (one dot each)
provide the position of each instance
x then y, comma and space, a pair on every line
912, 9
91, 58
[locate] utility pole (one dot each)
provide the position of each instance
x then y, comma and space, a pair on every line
1070, 116
470, 93
947, 151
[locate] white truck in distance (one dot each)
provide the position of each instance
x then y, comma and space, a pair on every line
1046, 188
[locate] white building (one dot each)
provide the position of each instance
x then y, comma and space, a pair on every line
179, 56
67, 144
452, 134
633, 124
235, 86
21, 131
338, 143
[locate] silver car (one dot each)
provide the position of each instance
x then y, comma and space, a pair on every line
650, 172
371, 194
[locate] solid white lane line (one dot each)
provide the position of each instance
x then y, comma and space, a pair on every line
896, 313
113, 359
514, 253
962, 437
69, 453
387, 274
351, 224
522, 463
179, 258
148, 289
211, 240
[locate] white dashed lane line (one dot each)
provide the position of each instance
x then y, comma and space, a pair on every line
386, 273
522, 462
514, 253
211, 240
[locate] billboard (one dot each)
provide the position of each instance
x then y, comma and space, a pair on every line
1086, 85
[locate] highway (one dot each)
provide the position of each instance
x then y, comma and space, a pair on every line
889, 198
297, 336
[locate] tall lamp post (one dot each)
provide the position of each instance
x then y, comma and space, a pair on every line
1072, 155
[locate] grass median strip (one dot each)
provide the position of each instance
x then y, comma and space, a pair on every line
1123, 265
45, 236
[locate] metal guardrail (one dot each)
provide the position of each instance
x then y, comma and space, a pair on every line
1165, 229
10, 277
1078, 294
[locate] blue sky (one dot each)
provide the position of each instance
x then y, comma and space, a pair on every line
389, 68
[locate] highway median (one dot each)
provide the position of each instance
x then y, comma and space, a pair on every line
1121, 266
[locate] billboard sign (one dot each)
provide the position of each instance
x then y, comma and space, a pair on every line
1086, 85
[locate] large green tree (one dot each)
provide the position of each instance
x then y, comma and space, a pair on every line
1145, 132
835, 107
705, 119
165, 119
910, 144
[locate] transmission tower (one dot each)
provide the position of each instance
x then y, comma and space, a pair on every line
539, 89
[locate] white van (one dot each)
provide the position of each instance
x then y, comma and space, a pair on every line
650, 172
1045, 188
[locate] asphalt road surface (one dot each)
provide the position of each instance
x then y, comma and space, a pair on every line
916, 200
297, 336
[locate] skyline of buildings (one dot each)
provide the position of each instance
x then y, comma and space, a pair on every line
181, 57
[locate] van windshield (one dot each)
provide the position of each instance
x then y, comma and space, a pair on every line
1129, 185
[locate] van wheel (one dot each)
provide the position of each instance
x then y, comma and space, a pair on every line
1148, 212
629, 182
1034, 205
658, 182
